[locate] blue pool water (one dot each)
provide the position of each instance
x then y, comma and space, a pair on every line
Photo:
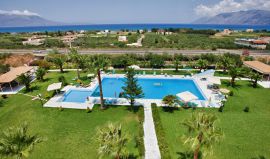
152, 88
77, 96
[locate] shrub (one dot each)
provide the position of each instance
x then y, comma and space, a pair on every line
231, 93
61, 108
246, 109
220, 109
139, 138
88, 110
162, 142
63, 80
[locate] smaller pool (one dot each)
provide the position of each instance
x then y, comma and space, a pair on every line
76, 96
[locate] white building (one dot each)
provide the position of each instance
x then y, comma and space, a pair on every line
122, 38
250, 30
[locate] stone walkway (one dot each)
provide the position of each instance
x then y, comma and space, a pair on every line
150, 138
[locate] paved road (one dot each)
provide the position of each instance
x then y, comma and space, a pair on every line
141, 51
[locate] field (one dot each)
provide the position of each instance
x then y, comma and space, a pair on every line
246, 134
69, 133
179, 40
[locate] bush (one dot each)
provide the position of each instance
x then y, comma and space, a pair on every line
139, 138
4, 96
246, 109
61, 108
88, 110
162, 142
220, 109
63, 80
231, 93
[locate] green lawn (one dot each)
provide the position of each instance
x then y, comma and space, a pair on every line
68, 134
246, 134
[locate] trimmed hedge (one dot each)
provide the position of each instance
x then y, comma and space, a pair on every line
163, 145
139, 137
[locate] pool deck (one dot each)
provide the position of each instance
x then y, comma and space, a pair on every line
210, 96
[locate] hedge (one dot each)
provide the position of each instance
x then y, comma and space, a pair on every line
163, 145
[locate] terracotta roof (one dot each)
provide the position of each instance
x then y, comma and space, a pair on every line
14, 73
259, 42
258, 66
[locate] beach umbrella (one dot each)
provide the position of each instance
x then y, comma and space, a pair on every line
224, 90
214, 80
135, 67
54, 86
110, 68
186, 96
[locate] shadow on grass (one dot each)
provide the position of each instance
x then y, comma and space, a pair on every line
130, 156
46, 79
170, 109
134, 109
187, 155
228, 84
259, 157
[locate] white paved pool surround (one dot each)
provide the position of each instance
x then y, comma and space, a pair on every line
208, 94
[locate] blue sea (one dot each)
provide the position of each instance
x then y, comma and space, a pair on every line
128, 26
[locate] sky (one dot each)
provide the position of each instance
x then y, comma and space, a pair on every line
127, 11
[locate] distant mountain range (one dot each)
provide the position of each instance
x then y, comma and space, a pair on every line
12, 20
250, 17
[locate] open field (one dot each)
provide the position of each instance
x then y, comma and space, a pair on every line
246, 134
68, 133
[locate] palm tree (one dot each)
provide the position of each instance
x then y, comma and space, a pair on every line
40, 73
99, 63
202, 64
16, 142
25, 79
224, 62
177, 61
58, 59
202, 133
255, 77
112, 141
77, 59
234, 72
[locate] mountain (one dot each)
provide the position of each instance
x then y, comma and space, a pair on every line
13, 20
250, 17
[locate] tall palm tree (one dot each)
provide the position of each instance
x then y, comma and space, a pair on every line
112, 141
77, 59
16, 142
255, 77
202, 64
25, 79
99, 63
234, 72
202, 133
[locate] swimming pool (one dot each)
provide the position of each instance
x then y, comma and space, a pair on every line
76, 96
153, 88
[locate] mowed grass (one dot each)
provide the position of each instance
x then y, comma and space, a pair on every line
67, 134
246, 134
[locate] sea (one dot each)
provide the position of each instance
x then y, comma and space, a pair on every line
116, 27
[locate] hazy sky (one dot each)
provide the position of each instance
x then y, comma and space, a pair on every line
127, 11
